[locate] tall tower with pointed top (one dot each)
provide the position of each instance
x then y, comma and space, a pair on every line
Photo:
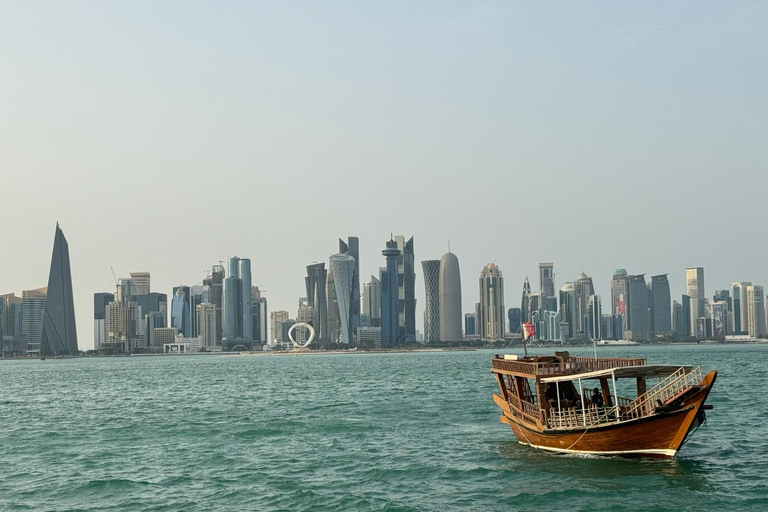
59, 333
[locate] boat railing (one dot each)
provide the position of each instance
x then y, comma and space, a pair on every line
528, 410
568, 366
573, 417
668, 388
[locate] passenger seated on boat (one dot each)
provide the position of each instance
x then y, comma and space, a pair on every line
597, 398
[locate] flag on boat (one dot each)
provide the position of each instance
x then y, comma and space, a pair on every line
528, 330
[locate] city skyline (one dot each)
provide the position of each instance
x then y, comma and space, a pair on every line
602, 289
146, 134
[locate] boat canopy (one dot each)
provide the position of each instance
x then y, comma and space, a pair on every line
651, 370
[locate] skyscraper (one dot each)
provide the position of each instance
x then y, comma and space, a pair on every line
389, 296
492, 308
352, 247
525, 314
514, 320
259, 315
740, 307
595, 316
694, 288
59, 333
406, 279
100, 303
469, 324
619, 296
315, 281
685, 308
206, 325
216, 284
181, 310
756, 311
547, 286
661, 320
450, 298
277, 318
236, 308
584, 289
342, 267
568, 312
372, 302
32, 316
638, 327
431, 270
140, 282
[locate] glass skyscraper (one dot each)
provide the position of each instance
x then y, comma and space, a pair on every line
59, 333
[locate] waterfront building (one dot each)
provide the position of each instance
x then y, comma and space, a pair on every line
431, 269
719, 315
595, 318
740, 307
390, 318
259, 316
638, 317
725, 296
756, 311
550, 326
469, 325
492, 308
694, 288
123, 325
284, 328
32, 313
181, 310
406, 289
206, 326
685, 308
525, 313
661, 319
215, 282
10, 317
352, 248
515, 320
547, 286
332, 311
306, 315
617, 327
584, 289
369, 336
450, 298
100, 302
236, 308
59, 332
342, 267
277, 318
372, 302
677, 317
619, 296
164, 336
317, 276
568, 312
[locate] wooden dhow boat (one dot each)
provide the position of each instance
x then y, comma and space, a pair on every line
584, 405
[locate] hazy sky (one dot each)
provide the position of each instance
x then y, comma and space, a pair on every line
166, 136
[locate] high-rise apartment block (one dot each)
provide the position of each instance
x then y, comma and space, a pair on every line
694, 288
492, 310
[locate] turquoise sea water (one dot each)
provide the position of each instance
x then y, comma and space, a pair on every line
414, 431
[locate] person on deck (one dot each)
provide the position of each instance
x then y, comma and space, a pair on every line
597, 398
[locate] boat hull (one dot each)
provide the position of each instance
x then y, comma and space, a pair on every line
659, 435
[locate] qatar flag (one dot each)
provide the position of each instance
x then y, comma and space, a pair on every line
528, 330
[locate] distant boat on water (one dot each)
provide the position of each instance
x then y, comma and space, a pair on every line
567, 404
